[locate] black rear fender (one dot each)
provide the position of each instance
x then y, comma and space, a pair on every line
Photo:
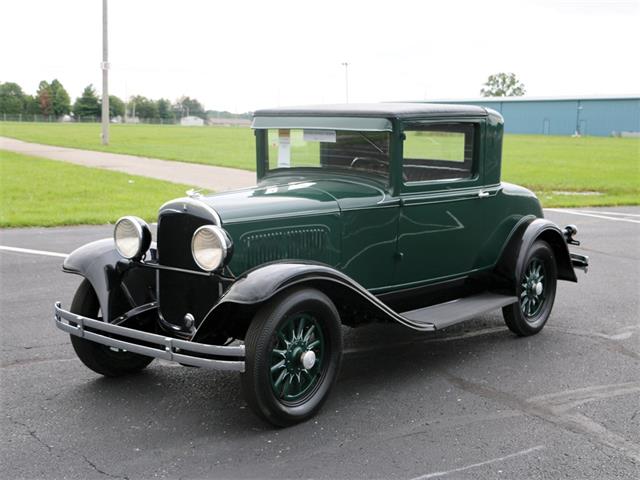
512, 259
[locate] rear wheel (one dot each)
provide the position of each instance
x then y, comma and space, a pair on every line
293, 353
536, 291
100, 358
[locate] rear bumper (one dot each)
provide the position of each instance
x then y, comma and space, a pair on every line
580, 261
216, 357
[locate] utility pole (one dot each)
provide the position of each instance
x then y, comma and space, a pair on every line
346, 80
105, 76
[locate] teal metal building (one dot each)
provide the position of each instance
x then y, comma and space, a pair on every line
596, 115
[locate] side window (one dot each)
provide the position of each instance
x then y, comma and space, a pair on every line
438, 152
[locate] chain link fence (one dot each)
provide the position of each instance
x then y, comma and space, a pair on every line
35, 118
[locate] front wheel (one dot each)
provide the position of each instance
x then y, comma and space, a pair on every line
536, 291
100, 358
293, 354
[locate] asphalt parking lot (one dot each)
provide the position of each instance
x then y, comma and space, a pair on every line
473, 401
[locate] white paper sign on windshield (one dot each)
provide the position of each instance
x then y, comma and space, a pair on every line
284, 148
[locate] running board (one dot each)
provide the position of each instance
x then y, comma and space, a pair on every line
446, 314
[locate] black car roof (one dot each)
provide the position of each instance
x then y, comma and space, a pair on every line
386, 110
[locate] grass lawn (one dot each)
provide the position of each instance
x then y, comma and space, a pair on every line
598, 171
563, 171
223, 146
35, 191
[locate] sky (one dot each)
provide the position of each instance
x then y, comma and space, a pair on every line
242, 55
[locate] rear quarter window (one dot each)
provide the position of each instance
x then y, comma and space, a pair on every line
438, 152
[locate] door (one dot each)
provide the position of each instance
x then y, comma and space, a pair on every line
546, 126
441, 221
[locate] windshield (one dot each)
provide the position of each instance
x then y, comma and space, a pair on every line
363, 152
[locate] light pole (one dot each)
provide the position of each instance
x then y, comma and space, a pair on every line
105, 76
346, 80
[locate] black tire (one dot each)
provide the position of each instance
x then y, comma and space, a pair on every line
100, 358
532, 310
269, 328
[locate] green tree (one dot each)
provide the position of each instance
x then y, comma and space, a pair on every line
164, 109
116, 107
88, 104
45, 98
186, 106
12, 98
503, 85
143, 107
31, 105
60, 101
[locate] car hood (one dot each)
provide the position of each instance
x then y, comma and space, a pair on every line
292, 196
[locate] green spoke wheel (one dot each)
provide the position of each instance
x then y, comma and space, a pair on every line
535, 290
297, 357
532, 295
293, 352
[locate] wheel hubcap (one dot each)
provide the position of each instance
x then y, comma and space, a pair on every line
532, 295
308, 359
539, 288
296, 357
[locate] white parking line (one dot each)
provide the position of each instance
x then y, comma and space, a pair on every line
611, 213
585, 214
480, 464
33, 252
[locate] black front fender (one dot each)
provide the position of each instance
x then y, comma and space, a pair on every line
109, 274
93, 261
263, 283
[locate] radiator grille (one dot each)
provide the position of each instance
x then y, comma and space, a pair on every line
181, 293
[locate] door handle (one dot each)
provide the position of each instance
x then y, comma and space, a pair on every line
482, 194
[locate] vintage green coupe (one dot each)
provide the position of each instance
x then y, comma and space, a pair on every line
361, 213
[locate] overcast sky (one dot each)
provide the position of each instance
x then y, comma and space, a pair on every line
242, 55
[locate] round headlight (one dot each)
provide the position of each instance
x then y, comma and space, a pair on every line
209, 247
132, 237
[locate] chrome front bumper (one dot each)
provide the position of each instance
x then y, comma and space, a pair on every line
157, 346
